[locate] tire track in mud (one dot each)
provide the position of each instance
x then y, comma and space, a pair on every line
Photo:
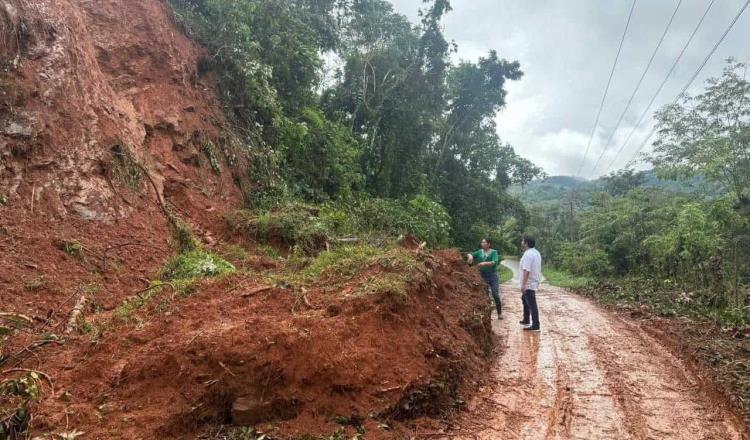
588, 375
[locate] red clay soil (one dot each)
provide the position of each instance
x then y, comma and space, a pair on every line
81, 84
315, 360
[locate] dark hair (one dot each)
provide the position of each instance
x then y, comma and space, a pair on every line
529, 240
489, 242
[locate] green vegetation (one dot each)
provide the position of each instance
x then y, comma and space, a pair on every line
125, 167
365, 220
398, 131
556, 277
35, 284
16, 398
210, 151
181, 274
195, 264
505, 274
341, 262
71, 247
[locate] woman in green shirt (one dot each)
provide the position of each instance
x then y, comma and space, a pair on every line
487, 261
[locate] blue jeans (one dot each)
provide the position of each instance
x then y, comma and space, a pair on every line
493, 282
530, 309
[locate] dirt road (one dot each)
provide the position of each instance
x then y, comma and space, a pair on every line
588, 375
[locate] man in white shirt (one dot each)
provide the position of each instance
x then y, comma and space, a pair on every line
531, 276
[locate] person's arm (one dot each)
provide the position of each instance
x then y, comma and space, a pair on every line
492, 263
470, 257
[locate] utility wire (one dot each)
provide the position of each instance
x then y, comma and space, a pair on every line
695, 75
661, 86
638, 86
606, 90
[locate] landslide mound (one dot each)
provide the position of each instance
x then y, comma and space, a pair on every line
351, 350
103, 116
105, 120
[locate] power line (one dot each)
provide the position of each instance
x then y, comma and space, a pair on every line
606, 90
638, 86
661, 86
695, 75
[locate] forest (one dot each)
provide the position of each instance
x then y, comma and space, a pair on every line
347, 104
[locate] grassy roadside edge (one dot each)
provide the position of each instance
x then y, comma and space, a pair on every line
718, 357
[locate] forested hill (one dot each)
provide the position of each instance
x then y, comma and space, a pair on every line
555, 188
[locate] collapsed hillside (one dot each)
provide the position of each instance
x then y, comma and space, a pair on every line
113, 150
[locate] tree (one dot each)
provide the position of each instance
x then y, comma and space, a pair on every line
709, 134
621, 182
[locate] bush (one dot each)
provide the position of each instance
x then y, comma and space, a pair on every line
195, 264
296, 225
321, 157
343, 261
579, 259
363, 216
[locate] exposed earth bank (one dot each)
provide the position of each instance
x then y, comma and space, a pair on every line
109, 128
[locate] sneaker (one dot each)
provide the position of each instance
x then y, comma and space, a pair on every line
532, 329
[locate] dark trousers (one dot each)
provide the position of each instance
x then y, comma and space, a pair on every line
530, 309
493, 282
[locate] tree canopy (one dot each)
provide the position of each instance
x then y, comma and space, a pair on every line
398, 119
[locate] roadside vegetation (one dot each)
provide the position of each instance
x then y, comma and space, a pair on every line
394, 131
559, 278
674, 242
677, 253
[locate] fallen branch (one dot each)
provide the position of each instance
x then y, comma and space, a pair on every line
256, 291
221, 364
15, 317
28, 349
347, 240
152, 287
75, 314
308, 304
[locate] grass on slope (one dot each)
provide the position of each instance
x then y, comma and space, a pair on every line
565, 280
505, 274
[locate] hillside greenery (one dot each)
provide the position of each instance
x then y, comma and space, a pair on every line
346, 102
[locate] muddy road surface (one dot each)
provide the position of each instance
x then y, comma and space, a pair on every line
588, 374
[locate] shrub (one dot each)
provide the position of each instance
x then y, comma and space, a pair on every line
578, 259
362, 216
295, 225
195, 264
342, 261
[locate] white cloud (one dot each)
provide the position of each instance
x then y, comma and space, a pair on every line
566, 50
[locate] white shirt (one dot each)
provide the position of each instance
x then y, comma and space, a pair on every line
532, 263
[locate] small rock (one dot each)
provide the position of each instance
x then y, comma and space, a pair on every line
15, 129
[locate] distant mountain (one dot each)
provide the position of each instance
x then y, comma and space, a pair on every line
556, 188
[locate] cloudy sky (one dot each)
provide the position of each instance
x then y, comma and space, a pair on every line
566, 49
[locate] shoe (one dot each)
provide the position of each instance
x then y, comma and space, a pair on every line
524, 323
499, 317
532, 329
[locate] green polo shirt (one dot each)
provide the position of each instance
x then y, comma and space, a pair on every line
492, 256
